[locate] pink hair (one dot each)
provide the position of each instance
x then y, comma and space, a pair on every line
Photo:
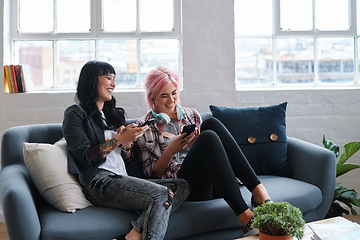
156, 81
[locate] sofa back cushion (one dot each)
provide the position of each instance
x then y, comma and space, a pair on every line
261, 134
48, 168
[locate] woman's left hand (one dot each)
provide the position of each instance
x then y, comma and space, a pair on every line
193, 138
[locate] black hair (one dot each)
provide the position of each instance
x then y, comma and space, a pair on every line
87, 95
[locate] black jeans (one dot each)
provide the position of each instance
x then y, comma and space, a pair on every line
213, 163
150, 196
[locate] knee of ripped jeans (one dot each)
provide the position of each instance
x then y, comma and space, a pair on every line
168, 203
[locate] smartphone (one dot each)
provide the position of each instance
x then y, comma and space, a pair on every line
148, 122
188, 129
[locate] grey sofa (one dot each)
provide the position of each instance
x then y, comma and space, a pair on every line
29, 217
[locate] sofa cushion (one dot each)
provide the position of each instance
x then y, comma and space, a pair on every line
191, 219
261, 134
47, 165
195, 217
89, 223
302, 195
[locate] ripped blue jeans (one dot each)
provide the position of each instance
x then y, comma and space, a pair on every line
151, 196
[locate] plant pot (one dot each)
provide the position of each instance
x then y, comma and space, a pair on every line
263, 236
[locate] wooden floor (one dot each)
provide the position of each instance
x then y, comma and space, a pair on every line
4, 236
353, 218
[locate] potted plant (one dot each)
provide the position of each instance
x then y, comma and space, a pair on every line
349, 197
278, 220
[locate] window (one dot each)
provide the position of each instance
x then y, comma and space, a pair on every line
296, 43
53, 39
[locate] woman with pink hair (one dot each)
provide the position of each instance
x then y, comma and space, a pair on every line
211, 161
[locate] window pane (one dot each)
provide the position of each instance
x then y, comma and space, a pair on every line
36, 16
122, 55
73, 16
119, 15
37, 57
156, 52
71, 56
295, 60
332, 15
358, 16
253, 61
336, 60
156, 15
252, 19
296, 15
358, 57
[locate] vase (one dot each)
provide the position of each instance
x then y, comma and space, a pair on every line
263, 236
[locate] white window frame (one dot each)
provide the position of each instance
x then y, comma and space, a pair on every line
315, 33
96, 34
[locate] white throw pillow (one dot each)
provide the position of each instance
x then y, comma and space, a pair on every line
48, 169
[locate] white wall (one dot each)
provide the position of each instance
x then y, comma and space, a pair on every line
208, 49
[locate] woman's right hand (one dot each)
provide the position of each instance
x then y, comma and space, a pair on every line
130, 133
176, 145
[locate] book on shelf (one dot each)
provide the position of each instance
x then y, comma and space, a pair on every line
26, 75
19, 81
336, 231
23, 79
15, 79
7, 84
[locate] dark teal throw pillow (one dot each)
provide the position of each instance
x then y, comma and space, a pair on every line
261, 135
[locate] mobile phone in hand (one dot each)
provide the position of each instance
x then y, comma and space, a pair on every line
188, 129
148, 122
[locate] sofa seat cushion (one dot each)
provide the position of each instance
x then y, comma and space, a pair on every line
303, 195
191, 219
88, 223
195, 218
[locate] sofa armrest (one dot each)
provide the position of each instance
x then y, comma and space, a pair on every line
316, 165
19, 200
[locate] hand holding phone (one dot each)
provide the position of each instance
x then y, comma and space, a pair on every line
188, 129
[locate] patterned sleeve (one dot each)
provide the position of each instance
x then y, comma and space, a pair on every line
193, 116
149, 152
147, 148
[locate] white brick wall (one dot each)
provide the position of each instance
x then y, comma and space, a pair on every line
208, 49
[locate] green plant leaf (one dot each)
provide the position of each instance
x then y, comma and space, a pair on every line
349, 149
328, 144
349, 197
341, 169
353, 212
356, 202
346, 193
338, 185
337, 209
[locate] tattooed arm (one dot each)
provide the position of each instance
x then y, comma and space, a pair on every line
125, 137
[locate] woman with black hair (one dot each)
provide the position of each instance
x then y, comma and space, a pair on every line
99, 143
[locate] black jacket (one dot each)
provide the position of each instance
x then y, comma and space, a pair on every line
81, 133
